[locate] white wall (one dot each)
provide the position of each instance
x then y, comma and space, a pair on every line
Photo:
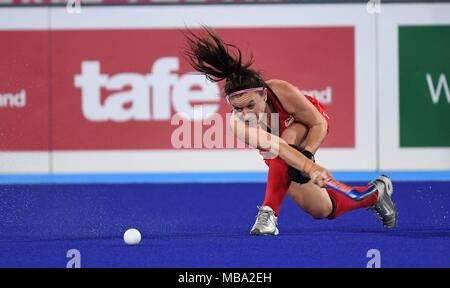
377, 143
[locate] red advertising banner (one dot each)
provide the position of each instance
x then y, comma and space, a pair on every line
24, 91
119, 89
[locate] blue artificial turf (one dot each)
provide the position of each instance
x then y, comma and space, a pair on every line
207, 225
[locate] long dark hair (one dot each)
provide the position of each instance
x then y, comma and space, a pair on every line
211, 56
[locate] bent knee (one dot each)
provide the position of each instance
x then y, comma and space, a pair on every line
321, 212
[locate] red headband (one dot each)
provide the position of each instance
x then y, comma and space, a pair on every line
243, 91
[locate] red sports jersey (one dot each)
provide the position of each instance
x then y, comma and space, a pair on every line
286, 118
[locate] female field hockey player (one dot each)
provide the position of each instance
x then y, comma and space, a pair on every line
303, 125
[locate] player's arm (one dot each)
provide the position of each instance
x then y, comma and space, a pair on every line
304, 112
260, 139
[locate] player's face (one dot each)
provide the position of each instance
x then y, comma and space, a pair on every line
248, 106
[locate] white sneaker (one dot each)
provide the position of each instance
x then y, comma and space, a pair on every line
266, 222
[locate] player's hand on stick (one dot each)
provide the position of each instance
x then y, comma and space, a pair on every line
319, 175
